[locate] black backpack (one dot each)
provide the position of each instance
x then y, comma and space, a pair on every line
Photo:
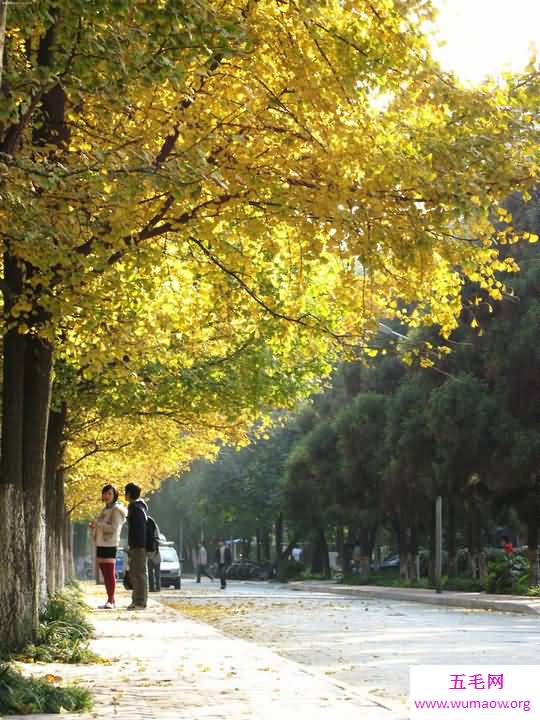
152, 535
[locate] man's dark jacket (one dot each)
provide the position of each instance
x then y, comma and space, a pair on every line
136, 518
228, 556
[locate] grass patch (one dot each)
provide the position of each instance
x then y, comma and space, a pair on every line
308, 575
460, 584
23, 695
64, 632
385, 580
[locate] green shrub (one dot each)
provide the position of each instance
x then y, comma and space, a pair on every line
68, 606
294, 570
507, 574
308, 575
462, 584
385, 580
22, 695
64, 631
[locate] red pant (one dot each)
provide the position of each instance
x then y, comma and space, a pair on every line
109, 575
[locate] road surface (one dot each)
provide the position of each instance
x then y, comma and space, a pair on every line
366, 644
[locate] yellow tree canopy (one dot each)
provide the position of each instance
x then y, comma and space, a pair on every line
254, 137
169, 374
201, 198
119, 451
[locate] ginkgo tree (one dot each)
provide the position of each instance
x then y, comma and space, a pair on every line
145, 392
306, 165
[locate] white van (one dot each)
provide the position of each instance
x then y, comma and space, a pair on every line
170, 569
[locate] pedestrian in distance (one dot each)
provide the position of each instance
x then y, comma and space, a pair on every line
106, 530
223, 560
202, 563
356, 558
137, 519
507, 546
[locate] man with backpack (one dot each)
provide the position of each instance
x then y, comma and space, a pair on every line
137, 519
154, 556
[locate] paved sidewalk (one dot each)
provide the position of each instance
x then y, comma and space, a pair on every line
169, 667
469, 601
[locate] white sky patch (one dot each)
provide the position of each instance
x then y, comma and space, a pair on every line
486, 37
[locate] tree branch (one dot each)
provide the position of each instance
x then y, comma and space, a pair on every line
280, 316
96, 449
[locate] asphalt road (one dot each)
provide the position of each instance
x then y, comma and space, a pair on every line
367, 644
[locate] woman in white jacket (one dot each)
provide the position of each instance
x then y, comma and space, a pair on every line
107, 527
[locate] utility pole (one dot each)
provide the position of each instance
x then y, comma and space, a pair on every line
181, 538
438, 543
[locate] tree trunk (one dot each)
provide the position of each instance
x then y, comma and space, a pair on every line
403, 566
343, 551
366, 547
320, 562
325, 569
53, 519
51, 527
432, 550
281, 562
401, 535
17, 623
69, 568
451, 539
25, 413
266, 545
482, 567
282, 555
60, 522
258, 536
476, 544
471, 558
26, 400
532, 547
412, 551
37, 394
364, 566
403, 552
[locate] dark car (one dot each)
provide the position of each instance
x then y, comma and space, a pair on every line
248, 570
391, 563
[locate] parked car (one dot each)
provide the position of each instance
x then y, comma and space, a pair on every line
390, 563
171, 568
120, 565
248, 570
